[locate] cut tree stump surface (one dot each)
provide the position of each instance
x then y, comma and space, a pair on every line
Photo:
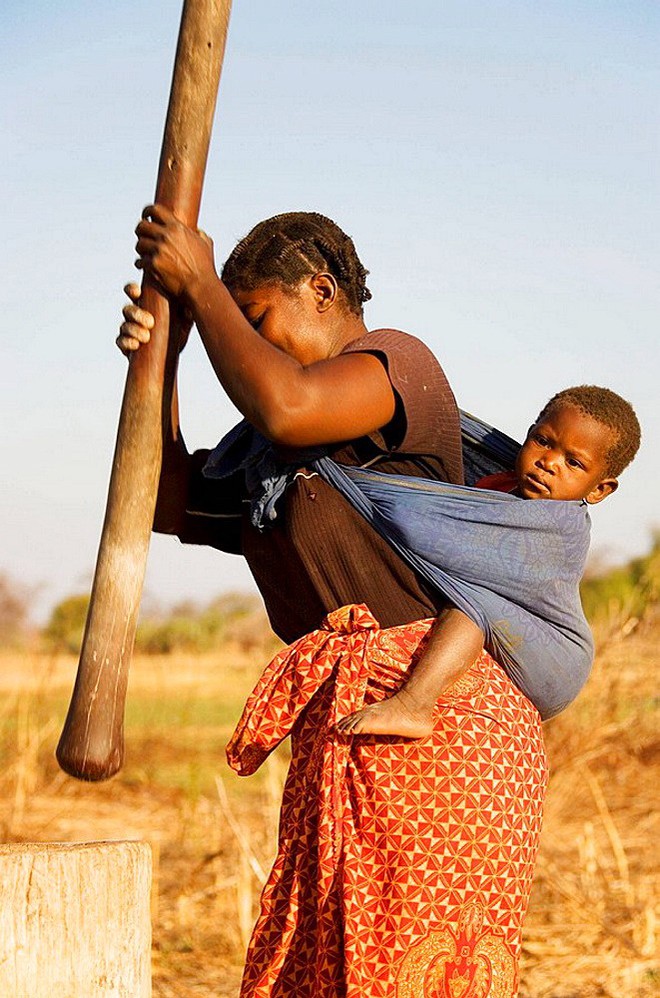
75, 920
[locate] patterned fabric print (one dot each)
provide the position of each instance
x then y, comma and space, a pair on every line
403, 867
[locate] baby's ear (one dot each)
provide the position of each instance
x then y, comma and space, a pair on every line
602, 491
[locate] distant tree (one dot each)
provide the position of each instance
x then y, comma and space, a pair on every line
236, 604
241, 619
64, 630
174, 633
234, 617
14, 608
251, 632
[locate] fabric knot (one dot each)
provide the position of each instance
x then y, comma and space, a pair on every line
349, 619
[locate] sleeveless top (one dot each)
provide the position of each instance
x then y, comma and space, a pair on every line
319, 554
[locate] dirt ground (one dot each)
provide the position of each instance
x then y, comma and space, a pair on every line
592, 926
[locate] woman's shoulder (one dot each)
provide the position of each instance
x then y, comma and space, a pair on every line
391, 340
412, 366
426, 419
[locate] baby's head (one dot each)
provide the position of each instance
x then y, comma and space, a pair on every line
580, 443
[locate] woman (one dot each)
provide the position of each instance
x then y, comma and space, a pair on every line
403, 867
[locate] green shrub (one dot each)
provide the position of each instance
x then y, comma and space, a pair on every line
176, 633
236, 617
64, 630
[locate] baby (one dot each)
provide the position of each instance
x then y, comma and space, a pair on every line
578, 446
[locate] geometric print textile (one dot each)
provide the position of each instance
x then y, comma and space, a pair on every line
403, 867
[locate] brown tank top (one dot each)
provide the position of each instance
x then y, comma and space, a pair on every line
320, 554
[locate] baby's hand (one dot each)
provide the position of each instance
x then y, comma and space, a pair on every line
137, 325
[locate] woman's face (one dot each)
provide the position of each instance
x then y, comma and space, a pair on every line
292, 319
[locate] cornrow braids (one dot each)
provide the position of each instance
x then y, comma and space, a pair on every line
288, 248
612, 411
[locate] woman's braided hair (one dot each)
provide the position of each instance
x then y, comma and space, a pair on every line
288, 248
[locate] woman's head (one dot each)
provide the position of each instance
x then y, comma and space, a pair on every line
287, 249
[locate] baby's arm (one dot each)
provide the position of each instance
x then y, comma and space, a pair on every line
454, 644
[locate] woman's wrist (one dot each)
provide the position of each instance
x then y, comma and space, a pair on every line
199, 287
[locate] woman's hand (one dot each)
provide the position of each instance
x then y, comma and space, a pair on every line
177, 257
138, 323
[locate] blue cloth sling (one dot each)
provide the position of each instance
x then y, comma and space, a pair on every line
513, 566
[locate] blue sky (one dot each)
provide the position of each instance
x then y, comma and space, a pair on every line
495, 162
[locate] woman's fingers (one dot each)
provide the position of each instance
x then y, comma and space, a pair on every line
138, 317
132, 336
171, 253
146, 247
127, 344
137, 325
158, 213
150, 238
149, 230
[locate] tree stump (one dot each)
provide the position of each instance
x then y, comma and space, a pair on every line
75, 920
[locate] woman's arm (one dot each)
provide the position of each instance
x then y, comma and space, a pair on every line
342, 398
454, 644
174, 484
174, 481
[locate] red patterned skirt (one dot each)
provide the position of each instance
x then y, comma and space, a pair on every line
404, 867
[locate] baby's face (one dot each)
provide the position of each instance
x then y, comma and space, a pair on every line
565, 457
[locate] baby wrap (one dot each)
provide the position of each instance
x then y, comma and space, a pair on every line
511, 565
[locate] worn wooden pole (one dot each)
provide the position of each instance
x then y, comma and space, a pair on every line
75, 920
92, 743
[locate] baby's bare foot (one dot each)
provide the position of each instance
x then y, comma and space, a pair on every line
389, 717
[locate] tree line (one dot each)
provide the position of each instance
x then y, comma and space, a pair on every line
237, 618
623, 592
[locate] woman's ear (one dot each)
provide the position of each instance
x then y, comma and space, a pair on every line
325, 290
602, 491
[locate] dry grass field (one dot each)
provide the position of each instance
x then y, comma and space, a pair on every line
592, 928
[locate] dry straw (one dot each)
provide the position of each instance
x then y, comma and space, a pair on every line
592, 928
